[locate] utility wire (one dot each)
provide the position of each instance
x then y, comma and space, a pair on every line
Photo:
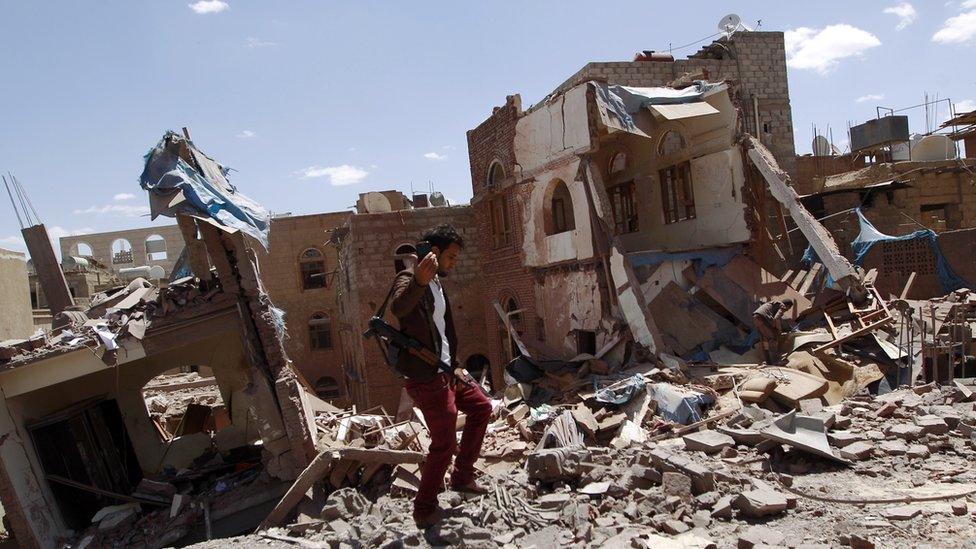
670, 49
37, 218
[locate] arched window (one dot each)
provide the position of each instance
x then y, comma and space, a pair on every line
156, 248
677, 190
320, 332
496, 173
121, 251
327, 388
82, 249
560, 216
618, 163
671, 142
312, 267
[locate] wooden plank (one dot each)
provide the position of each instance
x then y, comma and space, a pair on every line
315, 470
797, 278
787, 276
855, 333
908, 286
814, 274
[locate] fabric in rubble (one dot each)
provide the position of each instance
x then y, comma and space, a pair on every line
620, 394
678, 405
174, 167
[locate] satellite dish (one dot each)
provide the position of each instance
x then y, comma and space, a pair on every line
376, 203
821, 147
731, 23
156, 272
934, 147
437, 199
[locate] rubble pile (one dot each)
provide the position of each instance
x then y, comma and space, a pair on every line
175, 401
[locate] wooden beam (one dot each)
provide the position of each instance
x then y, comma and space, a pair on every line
908, 286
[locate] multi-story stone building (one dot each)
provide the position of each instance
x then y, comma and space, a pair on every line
130, 248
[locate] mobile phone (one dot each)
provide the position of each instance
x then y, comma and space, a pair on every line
423, 248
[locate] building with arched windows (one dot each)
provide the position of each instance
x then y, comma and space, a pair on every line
593, 204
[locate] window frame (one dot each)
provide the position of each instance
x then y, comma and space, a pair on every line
499, 221
319, 318
677, 193
623, 207
303, 278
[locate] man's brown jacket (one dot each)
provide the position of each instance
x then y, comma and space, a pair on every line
413, 305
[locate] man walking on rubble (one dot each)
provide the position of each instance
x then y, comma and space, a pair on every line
768, 319
424, 313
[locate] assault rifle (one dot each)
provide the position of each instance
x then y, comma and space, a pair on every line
400, 341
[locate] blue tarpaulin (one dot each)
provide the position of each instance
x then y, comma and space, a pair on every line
711, 257
869, 236
175, 166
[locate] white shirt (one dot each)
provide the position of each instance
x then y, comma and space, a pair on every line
440, 309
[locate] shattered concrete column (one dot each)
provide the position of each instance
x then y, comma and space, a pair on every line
840, 269
279, 402
623, 281
48, 269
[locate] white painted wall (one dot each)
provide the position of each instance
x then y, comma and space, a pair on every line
553, 131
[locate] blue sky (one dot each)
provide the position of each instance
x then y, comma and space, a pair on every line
313, 102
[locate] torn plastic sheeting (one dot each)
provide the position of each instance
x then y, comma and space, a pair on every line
710, 257
624, 101
620, 394
207, 195
869, 235
681, 407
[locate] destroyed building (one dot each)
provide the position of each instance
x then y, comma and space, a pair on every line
78, 433
373, 245
601, 196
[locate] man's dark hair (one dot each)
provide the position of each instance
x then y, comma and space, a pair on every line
443, 236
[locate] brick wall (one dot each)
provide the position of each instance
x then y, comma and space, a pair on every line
368, 270
281, 275
755, 62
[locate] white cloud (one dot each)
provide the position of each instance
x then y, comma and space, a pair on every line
258, 43
120, 209
968, 4
13, 242
448, 147
209, 6
822, 49
966, 105
246, 134
123, 196
905, 13
870, 97
959, 29
435, 156
338, 175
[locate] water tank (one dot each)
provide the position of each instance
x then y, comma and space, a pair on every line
880, 131
934, 147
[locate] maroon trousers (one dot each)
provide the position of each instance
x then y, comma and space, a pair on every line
439, 400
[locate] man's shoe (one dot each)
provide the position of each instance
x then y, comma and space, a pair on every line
470, 487
425, 520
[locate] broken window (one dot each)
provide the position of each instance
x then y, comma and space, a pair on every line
327, 388
402, 255
514, 314
671, 143
677, 194
121, 251
479, 368
623, 208
82, 249
156, 248
184, 404
86, 444
500, 221
320, 332
496, 173
560, 217
618, 163
585, 342
312, 264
